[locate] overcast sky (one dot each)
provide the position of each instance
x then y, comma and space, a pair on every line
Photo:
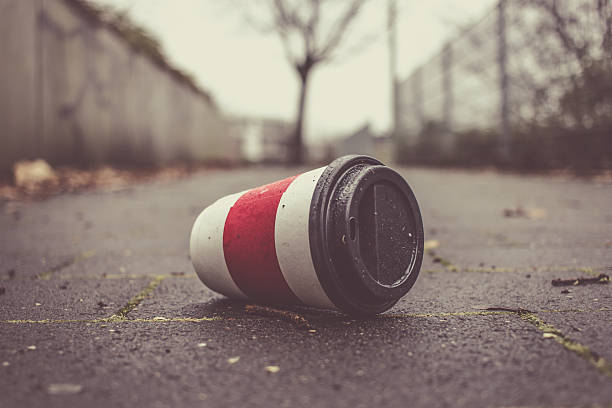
248, 74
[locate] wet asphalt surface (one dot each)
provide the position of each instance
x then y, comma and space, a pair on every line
482, 327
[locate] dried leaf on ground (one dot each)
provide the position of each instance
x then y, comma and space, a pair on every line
58, 389
431, 244
285, 315
30, 175
518, 310
37, 179
529, 213
602, 278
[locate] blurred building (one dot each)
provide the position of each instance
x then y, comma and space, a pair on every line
263, 140
320, 151
365, 141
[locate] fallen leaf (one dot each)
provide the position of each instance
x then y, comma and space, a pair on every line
536, 213
33, 175
602, 278
58, 389
431, 244
272, 369
292, 317
549, 335
529, 213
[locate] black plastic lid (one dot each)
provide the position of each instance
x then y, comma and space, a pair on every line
366, 235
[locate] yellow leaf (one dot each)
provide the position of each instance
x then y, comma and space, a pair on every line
431, 244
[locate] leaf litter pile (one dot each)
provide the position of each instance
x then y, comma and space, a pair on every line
37, 179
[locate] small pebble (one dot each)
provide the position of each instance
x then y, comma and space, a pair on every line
5, 364
31, 347
272, 369
233, 360
202, 344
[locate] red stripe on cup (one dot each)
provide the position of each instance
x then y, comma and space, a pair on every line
249, 247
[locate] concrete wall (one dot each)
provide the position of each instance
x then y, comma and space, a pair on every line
72, 91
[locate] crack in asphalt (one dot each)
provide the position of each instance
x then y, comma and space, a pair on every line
122, 313
63, 265
549, 331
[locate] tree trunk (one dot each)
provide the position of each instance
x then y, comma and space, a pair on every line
297, 144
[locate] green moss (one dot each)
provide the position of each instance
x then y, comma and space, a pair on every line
47, 274
583, 351
122, 313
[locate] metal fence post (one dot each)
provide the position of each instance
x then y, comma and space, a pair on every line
504, 132
392, 43
417, 91
447, 94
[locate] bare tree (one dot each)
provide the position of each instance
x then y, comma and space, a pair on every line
571, 42
311, 32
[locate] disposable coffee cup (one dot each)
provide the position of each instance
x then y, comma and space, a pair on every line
347, 237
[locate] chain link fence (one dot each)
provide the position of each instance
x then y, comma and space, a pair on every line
528, 86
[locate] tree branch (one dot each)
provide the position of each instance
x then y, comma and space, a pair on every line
335, 38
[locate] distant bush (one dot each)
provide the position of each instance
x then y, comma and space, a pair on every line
537, 148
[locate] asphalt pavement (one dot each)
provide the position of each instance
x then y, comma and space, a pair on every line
100, 307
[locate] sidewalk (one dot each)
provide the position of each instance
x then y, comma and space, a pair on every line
100, 307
